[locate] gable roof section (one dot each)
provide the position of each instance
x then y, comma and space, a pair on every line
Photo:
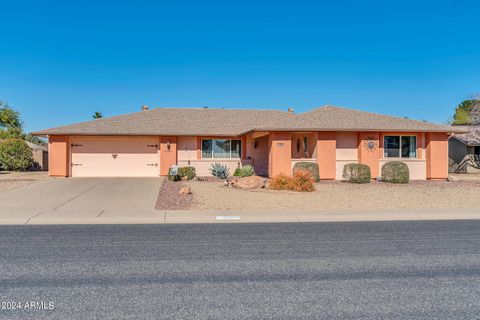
174, 121
330, 118
472, 138
230, 122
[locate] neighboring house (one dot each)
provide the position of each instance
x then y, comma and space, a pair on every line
40, 154
149, 142
464, 150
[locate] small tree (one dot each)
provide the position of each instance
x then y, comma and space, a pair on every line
9, 118
97, 115
467, 112
11, 125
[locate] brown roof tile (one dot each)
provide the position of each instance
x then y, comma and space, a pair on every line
229, 122
330, 118
174, 121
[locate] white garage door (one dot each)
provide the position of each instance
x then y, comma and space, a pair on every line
114, 157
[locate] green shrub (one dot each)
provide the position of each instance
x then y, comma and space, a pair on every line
188, 172
395, 172
15, 155
237, 172
310, 166
357, 173
245, 171
220, 170
174, 177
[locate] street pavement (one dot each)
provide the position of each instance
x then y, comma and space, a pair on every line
339, 270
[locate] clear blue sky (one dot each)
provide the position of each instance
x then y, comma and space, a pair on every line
62, 60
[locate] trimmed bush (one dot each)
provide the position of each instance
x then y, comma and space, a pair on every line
301, 181
357, 173
310, 166
15, 155
395, 172
220, 170
173, 177
188, 172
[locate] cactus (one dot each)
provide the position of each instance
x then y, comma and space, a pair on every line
220, 171
245, 171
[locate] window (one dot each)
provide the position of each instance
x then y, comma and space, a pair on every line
221, 148
305, 144
400, 146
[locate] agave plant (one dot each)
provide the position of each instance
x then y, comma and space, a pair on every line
220, 171
246, 171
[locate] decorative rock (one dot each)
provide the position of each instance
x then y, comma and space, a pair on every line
185, 190
252, 182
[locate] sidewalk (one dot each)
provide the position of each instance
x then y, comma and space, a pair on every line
211, 216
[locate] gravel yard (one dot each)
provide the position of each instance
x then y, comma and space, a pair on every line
169, 197
13, 180
334, 195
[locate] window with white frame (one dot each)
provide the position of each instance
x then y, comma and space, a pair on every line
221, 148
400, 146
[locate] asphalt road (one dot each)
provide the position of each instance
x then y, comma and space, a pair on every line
377, 270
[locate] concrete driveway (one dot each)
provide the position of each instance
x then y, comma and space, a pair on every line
82, 200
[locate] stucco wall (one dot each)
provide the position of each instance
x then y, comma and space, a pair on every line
326, 155
369, 155
280, 154
416, 167
347, 151
187, 148
202, 166
257, 150
58, 156
437, 156
311, 145
189, 154
168, 154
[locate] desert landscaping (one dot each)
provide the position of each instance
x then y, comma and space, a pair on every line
328, 195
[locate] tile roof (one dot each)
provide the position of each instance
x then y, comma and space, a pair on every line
472, 138
229, 122
330, 118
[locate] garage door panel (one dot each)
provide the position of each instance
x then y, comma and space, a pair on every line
115, 158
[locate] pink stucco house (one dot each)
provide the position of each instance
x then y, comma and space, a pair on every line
148, 142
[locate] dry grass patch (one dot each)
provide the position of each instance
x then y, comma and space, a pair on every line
13, 180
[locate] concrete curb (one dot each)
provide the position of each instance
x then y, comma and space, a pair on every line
238, 216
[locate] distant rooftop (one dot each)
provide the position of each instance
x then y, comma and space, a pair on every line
472, 138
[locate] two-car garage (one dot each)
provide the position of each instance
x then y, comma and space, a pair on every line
114, 157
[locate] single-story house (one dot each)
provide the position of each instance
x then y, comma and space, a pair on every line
464, 150
149, 142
